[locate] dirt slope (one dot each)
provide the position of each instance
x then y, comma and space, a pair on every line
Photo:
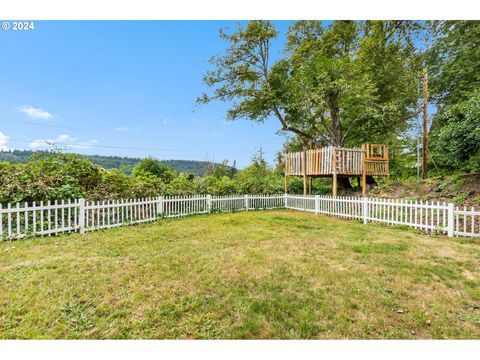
463, 190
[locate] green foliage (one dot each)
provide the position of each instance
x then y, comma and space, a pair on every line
217, 185
181, 185
456, 136
259, 178
54, 177
154, 167
460, 198
454, 58
124, 164
343, 83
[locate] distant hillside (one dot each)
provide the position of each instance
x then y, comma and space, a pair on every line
115, 162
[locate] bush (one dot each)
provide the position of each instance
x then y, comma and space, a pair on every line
55, 177
456, 136
153, 166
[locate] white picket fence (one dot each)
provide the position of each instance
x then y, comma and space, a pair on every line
428, 216
52, 218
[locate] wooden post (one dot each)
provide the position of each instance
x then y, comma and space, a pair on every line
304, 171
425, 124
364, 170
287, 171
334, 179
310, 166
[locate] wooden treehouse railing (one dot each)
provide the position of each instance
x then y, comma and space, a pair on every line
371, 159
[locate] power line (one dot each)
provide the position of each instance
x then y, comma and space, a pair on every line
86, 146
119, 133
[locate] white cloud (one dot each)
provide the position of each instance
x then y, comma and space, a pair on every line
62, 140
167, 120
121, 129
37, 144
3, 141
35, 113
65, 138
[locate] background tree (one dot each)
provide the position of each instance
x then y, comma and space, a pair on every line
457, 141
454, 59
153, 166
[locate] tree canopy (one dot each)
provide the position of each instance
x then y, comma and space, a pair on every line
343, 83
154, 167
454, 60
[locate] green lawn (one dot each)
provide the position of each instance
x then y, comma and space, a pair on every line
270, 274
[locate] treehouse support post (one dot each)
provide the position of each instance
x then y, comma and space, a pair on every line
287, 171
364, 171
304, 171
334, 175
310, 170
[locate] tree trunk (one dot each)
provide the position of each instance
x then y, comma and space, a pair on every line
335, 115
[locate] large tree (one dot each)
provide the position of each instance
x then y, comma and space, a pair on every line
342, 83
454, 60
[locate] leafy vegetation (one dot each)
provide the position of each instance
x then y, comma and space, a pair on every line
351, 82
57, 176
453, 59
274, 274
124, 164
344, 83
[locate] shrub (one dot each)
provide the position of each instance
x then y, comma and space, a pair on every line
153, 166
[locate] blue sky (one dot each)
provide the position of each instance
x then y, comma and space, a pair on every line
98, 87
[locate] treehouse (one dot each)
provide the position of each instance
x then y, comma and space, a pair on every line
369, 160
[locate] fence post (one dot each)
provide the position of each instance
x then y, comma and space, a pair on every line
81, 216
159, 205
451, 219
247, 204
365, 210
317, 204
209, 203
285, 200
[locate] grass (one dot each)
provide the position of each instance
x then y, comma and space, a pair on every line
272, 274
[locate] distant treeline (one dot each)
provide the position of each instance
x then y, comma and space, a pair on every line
116, 162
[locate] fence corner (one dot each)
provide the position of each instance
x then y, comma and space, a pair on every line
81, 216
209, 203
365, 210
450, 219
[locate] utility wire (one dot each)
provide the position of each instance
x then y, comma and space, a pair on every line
86, 146
119, 132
